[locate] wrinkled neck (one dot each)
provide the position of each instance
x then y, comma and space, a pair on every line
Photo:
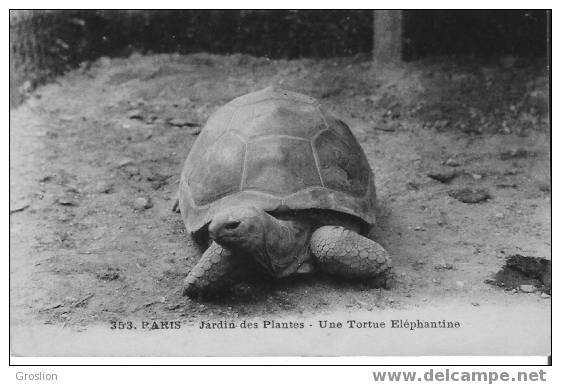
286, 245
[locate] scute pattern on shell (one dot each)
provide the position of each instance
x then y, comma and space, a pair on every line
277, 150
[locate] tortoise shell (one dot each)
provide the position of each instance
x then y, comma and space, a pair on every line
276, 150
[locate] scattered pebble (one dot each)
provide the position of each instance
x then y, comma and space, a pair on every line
514, 153
512, 171
53, 306
360, 303
476, 176
137, 103
441, 124
67, 200
177, 122
452, 162
109, 275
413, 186
527, 288
142, 203
506, 185
173, 307
195, 130
444, 266
469, 195
443, 176
544, 187
125, 162
104, 187
388, 127
135, 114
66, 118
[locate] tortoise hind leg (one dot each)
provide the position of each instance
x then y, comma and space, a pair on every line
340, 251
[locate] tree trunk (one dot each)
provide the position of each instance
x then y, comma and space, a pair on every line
387, 36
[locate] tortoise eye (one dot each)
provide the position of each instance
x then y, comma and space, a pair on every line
232, 225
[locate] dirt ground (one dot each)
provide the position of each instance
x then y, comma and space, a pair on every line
83, 149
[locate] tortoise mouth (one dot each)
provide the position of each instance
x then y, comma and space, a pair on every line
226, 238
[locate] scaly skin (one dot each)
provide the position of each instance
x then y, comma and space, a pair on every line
212, 273
344, 253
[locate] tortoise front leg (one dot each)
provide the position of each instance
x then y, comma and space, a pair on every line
345, 253
212, 273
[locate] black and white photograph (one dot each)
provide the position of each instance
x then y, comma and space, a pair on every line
280, 183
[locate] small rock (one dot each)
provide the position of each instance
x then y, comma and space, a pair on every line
137, 103
195, 130
468, 195
499, 215
514, 153
441, 124
527, 288
360, 303
475, 304
476, 176
512, 171
103, 187
125, 162
444, 176
173, 306
384, 126
544, 187
67, 200
142, 203
109, 275
136, 114
66, 118
444, 266
178, 122
53, 306
459, 284
545, 296
452, 162
413, 186
506, 185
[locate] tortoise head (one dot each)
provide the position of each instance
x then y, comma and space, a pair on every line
239, 228
277, 245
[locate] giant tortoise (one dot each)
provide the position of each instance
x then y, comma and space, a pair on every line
276, 184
